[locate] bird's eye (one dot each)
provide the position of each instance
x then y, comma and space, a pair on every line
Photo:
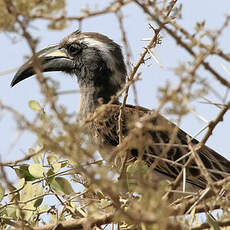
74, 49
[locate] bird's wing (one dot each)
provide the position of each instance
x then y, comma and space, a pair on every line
158, 141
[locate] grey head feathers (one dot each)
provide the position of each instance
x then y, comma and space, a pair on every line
99, 66
96, 60
98, 52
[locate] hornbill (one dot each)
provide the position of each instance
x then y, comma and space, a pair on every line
98, 63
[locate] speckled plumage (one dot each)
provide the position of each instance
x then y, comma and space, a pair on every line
155, 135
98, 63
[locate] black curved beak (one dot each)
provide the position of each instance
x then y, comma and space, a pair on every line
52, 58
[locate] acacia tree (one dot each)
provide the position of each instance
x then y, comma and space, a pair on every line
64, 166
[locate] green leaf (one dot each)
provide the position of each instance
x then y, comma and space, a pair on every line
56, 167
36, 159
12, 196
30, 191
99, 162
2, 192
34, 105
21, 183
61, 186
36, 170
50, 174
100, 195
63, 164
44, 208
104, 203
23, 172
52, 158
43, 116
28, 196
38, 202
135, 171
11, 211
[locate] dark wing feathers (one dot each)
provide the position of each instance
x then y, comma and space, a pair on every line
159, 139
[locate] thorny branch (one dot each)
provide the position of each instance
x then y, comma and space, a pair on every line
185, 45
151, 45
123, 202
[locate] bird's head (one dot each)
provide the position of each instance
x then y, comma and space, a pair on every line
95, 59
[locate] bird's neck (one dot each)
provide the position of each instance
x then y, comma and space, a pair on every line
97, 85
91, 98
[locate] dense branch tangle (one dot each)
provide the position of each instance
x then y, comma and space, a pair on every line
104, 194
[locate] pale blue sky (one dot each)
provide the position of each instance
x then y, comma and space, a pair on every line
136, 24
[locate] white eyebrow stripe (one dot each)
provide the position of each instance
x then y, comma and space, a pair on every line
91, 42
104, 48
